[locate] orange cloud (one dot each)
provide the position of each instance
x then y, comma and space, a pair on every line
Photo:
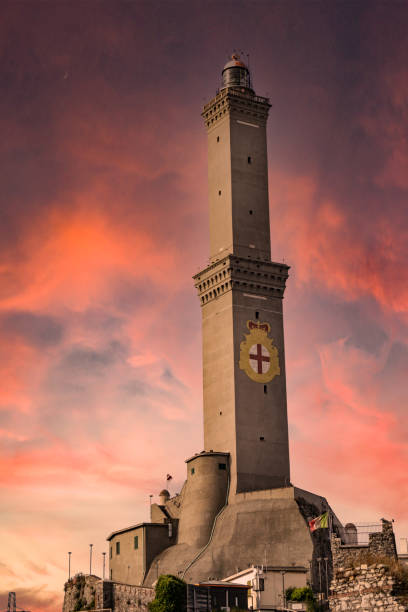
319, 239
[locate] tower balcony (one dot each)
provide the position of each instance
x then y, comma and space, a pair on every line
264, 278
235, 99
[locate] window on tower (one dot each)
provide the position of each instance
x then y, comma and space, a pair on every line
219, 192
118, 548
218, 139
249, 159
136, 542
222, 466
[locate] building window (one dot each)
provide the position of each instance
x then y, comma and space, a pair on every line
265, 389
110, 553
219, 192
193, 470
118, 548
256, 315
222, 466
261, 438
261, 584
249, 160
250, 212
111, 574
218, 139
136, 542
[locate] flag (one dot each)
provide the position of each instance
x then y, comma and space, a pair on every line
320, 522
169, 477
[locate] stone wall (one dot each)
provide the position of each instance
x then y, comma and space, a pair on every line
369, 578
380, 544
80, 593
92, 593
368, 588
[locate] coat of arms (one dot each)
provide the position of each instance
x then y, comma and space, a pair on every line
259, 357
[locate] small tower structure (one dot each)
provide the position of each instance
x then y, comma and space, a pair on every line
241, 293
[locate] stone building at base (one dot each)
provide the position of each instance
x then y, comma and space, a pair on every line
369, 578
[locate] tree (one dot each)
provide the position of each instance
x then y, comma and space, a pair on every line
171, 595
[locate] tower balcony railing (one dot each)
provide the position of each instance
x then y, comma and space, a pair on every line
237, 93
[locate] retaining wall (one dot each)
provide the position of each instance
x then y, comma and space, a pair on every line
92, 593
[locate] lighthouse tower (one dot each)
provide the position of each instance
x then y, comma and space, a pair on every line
241, 293
237, 507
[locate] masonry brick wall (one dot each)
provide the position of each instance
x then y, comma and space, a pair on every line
92, 593
380, 544
372, 585
80, 592
367, 588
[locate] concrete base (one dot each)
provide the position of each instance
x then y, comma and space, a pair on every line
259, 527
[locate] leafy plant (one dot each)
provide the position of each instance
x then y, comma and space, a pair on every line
304, 594
171, 595
299, 594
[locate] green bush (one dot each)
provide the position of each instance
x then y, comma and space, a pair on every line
304, 594
171, 595
299, 594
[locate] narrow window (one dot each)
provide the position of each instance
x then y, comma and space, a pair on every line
256, 315
220, 412
136, 542
218, 139
111, 575
250, 212
222, 466
262, 584
193, 470
219, 193
261, 438
118, 548
265, 389
110, 552
249, 160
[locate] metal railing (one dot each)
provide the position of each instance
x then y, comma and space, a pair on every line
361, 535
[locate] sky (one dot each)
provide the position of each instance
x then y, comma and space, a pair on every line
104, 220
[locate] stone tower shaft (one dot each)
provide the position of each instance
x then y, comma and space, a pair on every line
241, 292
238, 174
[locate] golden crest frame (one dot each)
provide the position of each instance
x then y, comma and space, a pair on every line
258, 334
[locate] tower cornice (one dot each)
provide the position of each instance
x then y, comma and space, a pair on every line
263, 278
238, 100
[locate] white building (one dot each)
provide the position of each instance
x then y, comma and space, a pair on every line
268, 585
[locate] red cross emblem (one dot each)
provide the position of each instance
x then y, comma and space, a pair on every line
259, 358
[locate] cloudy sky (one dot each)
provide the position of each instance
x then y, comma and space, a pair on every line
103, 222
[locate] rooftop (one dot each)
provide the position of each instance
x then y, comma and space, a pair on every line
132, 527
